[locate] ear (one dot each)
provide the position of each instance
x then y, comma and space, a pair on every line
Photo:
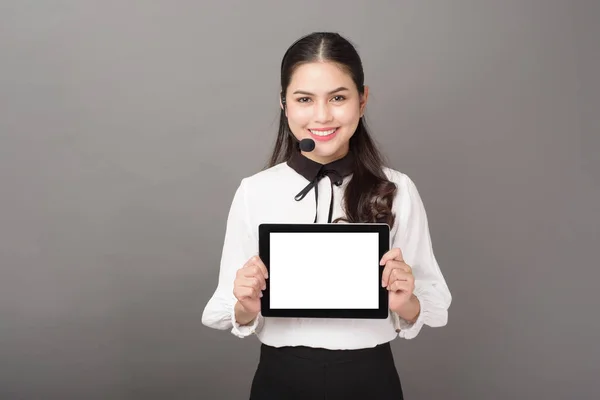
363, 100
282, 103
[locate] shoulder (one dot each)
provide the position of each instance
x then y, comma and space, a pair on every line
408, 202
402, 180
267, 194
267, 177
269, 183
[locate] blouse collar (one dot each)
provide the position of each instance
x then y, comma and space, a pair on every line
313, 172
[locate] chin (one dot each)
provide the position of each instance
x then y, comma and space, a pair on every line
327, 150
324, 150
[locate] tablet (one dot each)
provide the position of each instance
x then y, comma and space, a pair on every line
324, 270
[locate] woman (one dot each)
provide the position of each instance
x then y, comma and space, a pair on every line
323, 97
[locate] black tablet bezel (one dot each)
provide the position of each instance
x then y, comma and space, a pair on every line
383, 230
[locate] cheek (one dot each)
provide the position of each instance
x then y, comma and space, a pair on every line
346, 115
299, 116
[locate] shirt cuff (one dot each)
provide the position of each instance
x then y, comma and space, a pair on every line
407, 330
243, 331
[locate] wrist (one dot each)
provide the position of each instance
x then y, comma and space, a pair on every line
242, 316
410, 310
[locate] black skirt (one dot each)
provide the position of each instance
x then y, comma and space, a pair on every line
304, 373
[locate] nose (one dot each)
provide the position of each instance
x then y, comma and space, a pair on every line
322, 112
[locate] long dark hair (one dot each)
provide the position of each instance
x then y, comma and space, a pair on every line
369, 195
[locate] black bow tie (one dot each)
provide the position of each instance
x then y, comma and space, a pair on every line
314, 172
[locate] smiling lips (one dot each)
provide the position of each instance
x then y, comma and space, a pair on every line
323, 134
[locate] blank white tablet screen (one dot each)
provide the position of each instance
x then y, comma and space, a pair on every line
324, 270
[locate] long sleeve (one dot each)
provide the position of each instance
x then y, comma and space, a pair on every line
239, 245
413, 238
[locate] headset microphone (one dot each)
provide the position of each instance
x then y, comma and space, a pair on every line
307, 145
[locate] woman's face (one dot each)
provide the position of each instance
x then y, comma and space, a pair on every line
323, 103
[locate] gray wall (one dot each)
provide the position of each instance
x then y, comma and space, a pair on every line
125, 128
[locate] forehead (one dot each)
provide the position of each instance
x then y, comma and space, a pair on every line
319, 77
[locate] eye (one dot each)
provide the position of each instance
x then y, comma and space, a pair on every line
303, 99
339, 98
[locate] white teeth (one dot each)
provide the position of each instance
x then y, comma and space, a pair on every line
322, 133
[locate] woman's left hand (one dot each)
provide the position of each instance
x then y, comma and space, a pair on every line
399, 280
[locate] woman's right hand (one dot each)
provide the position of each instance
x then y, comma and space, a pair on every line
250, 281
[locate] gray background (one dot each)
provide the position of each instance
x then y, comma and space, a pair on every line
126, 126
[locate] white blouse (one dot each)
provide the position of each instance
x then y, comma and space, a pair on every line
268, 196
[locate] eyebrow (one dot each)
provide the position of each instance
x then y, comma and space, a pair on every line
311, 94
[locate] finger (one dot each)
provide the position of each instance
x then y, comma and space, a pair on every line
404, 267
385, 276
252, 283
390, 266
393, 254
400, 286
245, 292
401, 276
401, 265
255, 281
253, 272
258, 262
